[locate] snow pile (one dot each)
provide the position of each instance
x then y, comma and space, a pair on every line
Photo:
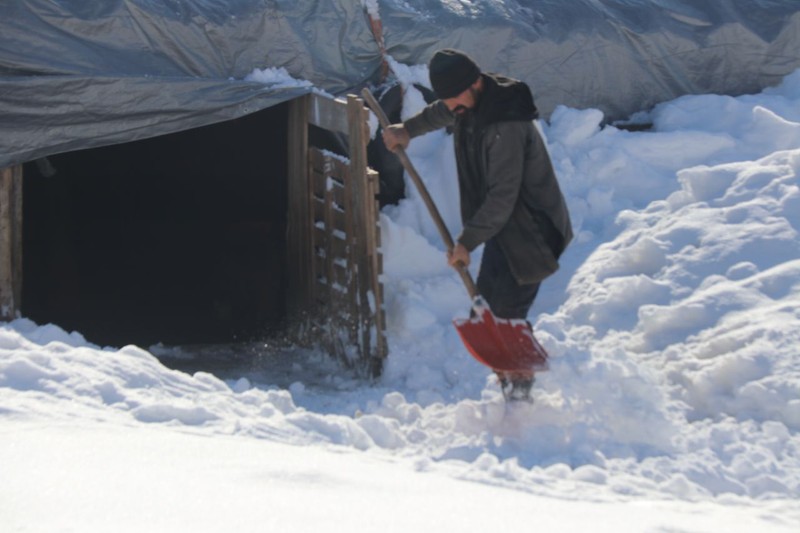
672, 325
277, 78
678, 333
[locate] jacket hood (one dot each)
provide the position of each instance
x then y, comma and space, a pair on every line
504, 99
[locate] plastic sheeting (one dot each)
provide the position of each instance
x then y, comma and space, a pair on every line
619, 56
77, 74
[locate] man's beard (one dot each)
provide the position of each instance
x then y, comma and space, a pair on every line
461, 109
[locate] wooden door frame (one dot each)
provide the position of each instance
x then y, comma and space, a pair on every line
307, 302
10, 242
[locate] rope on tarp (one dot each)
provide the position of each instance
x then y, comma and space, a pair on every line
376, 26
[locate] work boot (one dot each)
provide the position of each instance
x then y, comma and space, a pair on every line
521, 389
516, 386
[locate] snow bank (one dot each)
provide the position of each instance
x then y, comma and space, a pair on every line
680, 321
673, 329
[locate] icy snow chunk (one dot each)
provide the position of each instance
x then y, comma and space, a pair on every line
212, 381
241, 385
50, 333
393, 401
23, 373
771, 132
281, 400
134, 351
181, 411
574, 126
384, 432
742, 270
590, 474
684, 488
646, 256
110, 392
334, 429
559, 470
276, 77
706, 184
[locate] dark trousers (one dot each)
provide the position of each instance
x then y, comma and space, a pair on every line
497, 285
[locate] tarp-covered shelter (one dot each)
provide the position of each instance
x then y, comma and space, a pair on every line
143, 108
76, 74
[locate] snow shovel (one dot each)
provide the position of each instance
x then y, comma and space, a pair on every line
506, 346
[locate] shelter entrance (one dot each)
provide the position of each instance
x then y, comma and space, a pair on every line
177, 239
225, 233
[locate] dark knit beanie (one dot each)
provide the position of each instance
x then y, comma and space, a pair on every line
452, 72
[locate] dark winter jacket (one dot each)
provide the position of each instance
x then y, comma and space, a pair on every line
508, 187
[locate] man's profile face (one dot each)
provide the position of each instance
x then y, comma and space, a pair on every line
464, 101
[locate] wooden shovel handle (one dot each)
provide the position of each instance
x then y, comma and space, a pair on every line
400, 152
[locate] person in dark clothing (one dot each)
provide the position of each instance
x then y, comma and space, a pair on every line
510, 198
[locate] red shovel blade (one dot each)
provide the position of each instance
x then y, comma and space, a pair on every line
502, 344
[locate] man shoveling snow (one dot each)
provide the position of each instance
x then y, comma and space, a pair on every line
510, 197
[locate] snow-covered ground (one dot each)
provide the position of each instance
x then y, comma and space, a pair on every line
672, 402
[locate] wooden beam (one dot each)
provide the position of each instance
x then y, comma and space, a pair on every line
359, 135
376, 259
10, 242
328, 113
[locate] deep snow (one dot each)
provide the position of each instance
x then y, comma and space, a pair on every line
672, 402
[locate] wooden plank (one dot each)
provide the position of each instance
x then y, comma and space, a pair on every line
323, 162
338, 222
328, 113
350, 253
329, 237
10, 242
322, 184
373, 181
332, 288
299, 229
358, 173
339, 246
327, 172
338, 195
7, 305
16, 237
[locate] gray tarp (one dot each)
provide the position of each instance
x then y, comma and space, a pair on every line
77, 73
620, 56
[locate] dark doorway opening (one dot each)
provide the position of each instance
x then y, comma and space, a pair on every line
177, 239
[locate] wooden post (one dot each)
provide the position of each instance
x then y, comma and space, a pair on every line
10, 242
333, 278
359, 135
300, 267
376, 258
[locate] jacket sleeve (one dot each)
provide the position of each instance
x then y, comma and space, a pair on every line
433, 117
503, 166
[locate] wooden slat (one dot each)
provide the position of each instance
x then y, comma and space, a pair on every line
321, 187
324, 162
338, 218
340, 246
356, 117
334, 281
328, 113
10, 242
321, 183
374, 242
